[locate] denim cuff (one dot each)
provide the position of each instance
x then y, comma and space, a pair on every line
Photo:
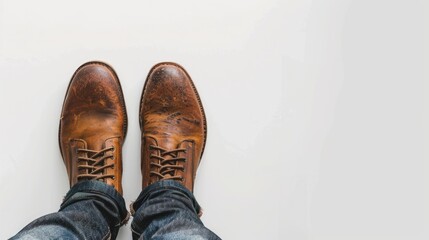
164, 184
98, 188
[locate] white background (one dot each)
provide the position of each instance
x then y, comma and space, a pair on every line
317, 110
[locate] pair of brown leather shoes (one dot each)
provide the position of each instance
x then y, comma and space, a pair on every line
93, 126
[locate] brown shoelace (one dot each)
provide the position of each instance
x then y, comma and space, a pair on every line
94, 164
168, 163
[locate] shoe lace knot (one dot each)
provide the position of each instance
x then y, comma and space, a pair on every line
92, 164
167, 162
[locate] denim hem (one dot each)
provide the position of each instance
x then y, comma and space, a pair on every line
94, 186
166, 184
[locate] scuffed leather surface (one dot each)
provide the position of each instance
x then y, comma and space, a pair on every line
93, 114
172, 116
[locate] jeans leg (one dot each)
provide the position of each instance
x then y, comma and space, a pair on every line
167, 210
90, 210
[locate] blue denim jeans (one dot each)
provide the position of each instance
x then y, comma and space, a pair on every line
94, 210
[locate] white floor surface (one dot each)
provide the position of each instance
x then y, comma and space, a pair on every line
318, 117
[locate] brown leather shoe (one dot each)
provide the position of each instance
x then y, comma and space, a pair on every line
93, 126
173, 126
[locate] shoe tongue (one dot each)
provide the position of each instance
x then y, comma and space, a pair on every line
169, 175
95, 144
168, 143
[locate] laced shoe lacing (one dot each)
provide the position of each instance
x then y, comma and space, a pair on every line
94, 164
167, 163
